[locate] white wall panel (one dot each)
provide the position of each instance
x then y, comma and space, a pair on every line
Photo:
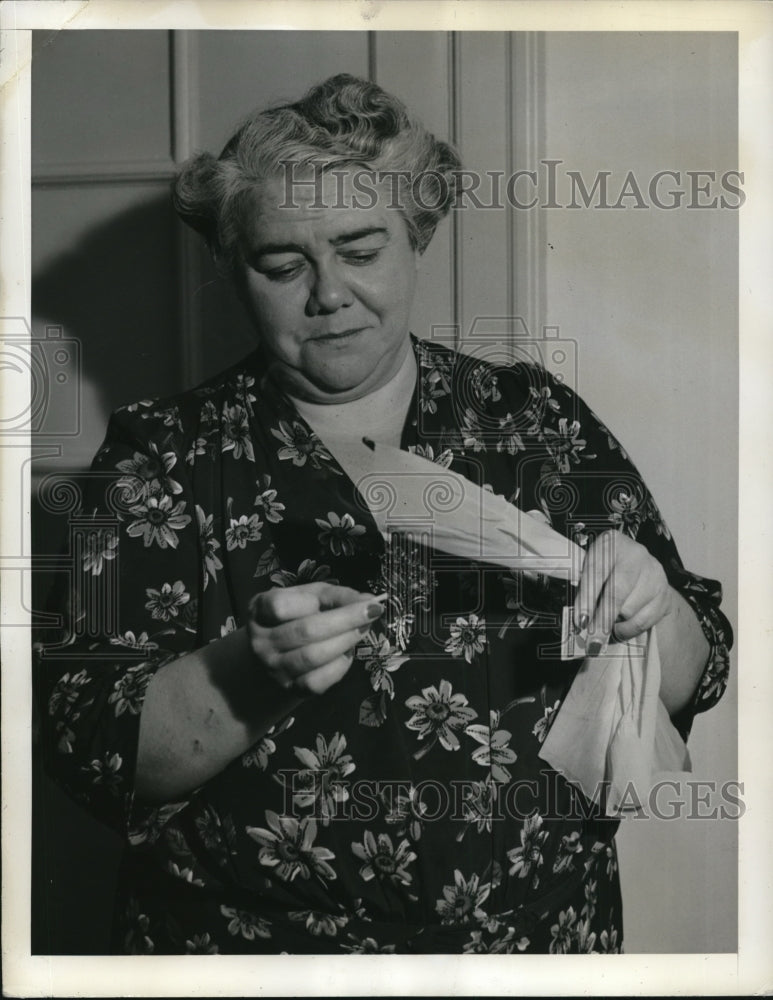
417, 68
103, 97
484, 142
650, 296
242, 70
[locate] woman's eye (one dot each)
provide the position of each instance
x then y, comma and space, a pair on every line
285, 272
361, 256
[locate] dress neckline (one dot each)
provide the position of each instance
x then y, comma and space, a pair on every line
287, 409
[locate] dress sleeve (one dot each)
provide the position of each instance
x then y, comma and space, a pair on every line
589, 485
130, 607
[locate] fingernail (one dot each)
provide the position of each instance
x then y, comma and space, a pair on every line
582, 622
363, 629
374, 610
594, 648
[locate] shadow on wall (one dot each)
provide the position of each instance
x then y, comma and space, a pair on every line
115, 291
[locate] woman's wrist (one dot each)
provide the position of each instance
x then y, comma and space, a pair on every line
273, 695
203, 710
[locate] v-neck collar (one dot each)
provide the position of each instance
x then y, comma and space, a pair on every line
286, 409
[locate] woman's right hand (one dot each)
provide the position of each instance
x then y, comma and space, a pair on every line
305, 636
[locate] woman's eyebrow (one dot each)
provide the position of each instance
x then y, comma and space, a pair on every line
358, 234
268, 248
265, 249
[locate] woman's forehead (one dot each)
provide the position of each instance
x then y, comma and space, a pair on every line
331, 204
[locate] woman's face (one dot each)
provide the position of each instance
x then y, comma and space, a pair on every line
329, 289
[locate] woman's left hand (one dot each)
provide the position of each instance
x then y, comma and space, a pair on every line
623, 591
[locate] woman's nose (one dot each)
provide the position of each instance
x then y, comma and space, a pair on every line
330, 291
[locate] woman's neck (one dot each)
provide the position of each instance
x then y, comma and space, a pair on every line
380, 415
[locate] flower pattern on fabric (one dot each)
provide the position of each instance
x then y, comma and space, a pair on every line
542, 726
570, 847
209, 545
300, 445
494, 751
241, 530
165, 604
322, 781
406, 812
438, 713
483, 943
565, 444
267, 503
462, 901
129, 691
157, 520
339, 534
527, 857
131, 641
307, 572
381, 660
288, 847
145, 474
320, 923
468, 637
478, 807
259, 755
406, 809
249, 926
382, 860
563, 932
201, 944
101, 548
67, 692
367, 946
236, 433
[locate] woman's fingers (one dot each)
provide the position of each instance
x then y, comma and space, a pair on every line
319, 680
304, 659
595, 608
283, 604
622, 587
314, 628
306, 635
643, 619
639, 616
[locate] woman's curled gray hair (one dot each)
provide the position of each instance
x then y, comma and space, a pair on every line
344, 121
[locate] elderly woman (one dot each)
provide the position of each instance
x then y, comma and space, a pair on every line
317, 738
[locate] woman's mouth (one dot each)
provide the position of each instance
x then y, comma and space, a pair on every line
338, 337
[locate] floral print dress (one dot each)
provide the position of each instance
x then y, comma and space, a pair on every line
406, 809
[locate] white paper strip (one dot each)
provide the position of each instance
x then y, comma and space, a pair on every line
405, 492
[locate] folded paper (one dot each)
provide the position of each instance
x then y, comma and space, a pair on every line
612, 735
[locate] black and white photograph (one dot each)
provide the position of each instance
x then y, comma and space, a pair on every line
373, 561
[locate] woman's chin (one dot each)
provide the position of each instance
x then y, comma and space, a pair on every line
330, 383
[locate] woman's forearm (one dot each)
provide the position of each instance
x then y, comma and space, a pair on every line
203, 710
684, 651
200, 712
